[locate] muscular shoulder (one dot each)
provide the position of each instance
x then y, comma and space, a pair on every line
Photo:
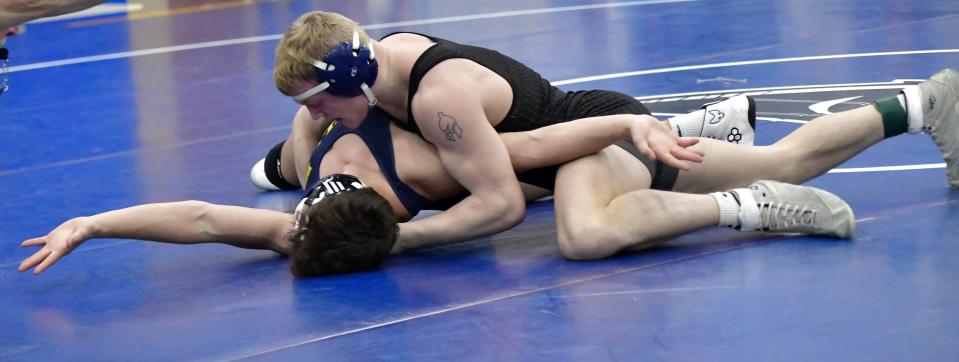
452, 82
405, 39
444, 96
442, 88
465, 87
454, 72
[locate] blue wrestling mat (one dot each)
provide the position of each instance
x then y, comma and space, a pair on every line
166, 105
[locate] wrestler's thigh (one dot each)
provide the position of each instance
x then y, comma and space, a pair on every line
728, 165
589, 184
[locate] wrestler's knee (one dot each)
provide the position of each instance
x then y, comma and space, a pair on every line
584, 239
787, 161
267, 174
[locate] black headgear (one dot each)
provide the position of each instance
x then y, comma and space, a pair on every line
327, 186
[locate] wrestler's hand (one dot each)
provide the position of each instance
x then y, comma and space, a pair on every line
657, 141
57, 244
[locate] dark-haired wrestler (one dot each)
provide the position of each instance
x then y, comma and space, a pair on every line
357, 193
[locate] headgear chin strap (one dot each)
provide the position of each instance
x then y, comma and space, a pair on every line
327, 186
348, 70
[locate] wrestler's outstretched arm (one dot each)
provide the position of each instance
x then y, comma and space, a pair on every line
185, 222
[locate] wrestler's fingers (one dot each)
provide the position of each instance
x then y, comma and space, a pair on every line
54, 256
34, 259
666, 156
687, 141
670, 160
701, 154
34, 242
687, 155
644, 149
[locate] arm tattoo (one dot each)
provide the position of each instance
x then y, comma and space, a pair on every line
449, 126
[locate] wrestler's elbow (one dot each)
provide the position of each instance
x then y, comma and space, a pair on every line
199, 220
507, 210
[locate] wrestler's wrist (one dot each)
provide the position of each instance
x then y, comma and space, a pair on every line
88, 227
84, 228
650, 121
638, 127
402, 239
641, 122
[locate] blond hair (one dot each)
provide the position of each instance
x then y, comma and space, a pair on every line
309, 38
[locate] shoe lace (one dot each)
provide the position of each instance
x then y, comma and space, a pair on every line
780, 216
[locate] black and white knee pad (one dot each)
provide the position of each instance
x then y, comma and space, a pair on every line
266, 173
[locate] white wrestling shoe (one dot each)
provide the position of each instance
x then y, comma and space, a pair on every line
940, 117
731, 120
781, 207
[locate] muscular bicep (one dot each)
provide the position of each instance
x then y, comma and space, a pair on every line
468, 146
471, 152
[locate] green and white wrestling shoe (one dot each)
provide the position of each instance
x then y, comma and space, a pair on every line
939, 101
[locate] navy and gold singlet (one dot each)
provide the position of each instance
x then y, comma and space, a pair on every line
375, 132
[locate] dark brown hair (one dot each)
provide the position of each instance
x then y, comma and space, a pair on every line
346, 232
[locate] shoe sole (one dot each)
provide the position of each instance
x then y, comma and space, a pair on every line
844, 212
948, 78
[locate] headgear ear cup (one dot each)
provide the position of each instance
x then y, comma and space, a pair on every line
347, 70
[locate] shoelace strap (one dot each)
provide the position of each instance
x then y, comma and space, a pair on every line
755, 215
779, 216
